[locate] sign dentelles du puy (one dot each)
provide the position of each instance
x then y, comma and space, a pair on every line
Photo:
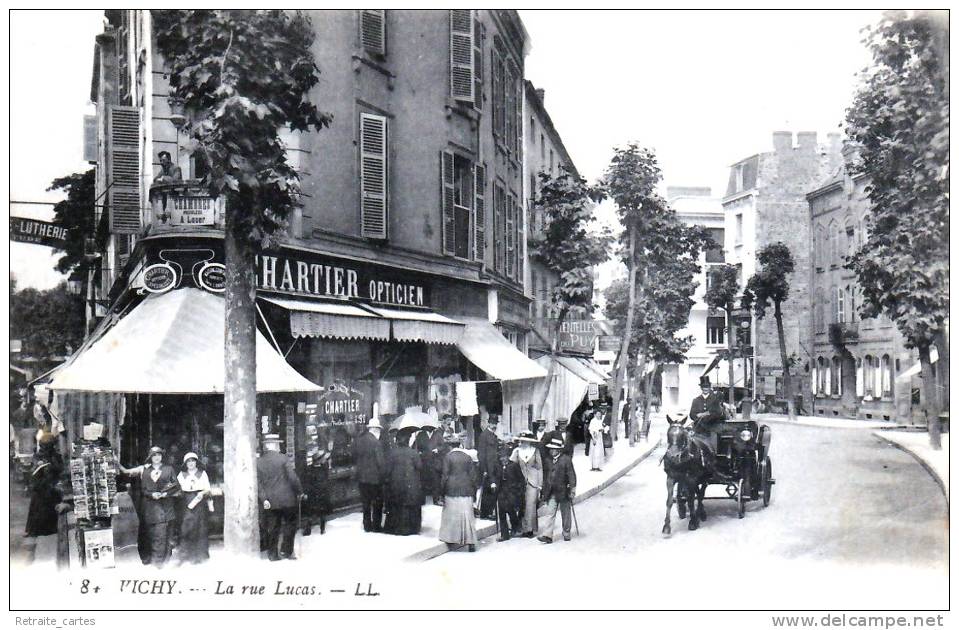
323, 277
23, 230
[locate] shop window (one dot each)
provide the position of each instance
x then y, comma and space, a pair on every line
837, 376
860, 382
814, 382
715, 331
885, 366
869, 376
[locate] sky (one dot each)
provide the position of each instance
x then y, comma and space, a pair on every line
702, 88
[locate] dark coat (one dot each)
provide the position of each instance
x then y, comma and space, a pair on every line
487, 448
159, 510
460, 477
433, 456
277, 481
369, 460
44, 497
712, 406
513, 489
561, 479
403, 485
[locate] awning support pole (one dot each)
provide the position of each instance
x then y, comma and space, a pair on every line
269, 330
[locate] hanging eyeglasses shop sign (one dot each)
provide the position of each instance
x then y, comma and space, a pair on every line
23, 230
322, 276
212, 277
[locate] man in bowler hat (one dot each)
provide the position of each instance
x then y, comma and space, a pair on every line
370, 465
279, 491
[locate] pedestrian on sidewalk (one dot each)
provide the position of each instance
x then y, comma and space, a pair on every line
509, 499
426, 446
459, 481
404, 490
527, 456
560, 490
369, 460
44, 493
158, 491
597, 428
318, 480
280, 493
197, 504
487, 448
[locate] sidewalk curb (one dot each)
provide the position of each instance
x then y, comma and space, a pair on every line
922, 462
852, 424
490, 530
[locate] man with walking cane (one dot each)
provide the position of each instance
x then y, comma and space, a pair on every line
559, 489
280, 495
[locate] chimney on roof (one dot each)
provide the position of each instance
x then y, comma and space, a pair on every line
782, 141
806, 141
541, 95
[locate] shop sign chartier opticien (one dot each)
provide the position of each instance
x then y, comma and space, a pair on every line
296, 273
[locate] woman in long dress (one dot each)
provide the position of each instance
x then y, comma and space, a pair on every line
403, 487
531, 464
597, 453
458, 484
195, 500
44, 494
318, 473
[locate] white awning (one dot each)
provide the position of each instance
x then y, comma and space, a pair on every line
171, 343
490, 351
916, 368
342, 320
575, 366
596, 367
424, 325
566, 391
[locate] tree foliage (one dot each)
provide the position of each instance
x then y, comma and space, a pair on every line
723, 291
50, 323
899, 122
244, 76
77, 214
769, 285
569, 244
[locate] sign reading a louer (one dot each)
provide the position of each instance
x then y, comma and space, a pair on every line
190, 210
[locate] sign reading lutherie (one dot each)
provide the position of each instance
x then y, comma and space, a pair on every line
23, 230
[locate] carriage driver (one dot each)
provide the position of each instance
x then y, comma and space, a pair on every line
706, 413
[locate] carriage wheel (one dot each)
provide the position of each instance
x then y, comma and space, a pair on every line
741, 499
767, 477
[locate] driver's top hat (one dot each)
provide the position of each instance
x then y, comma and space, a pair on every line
704, 381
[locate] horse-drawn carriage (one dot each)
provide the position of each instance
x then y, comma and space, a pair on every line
740, 462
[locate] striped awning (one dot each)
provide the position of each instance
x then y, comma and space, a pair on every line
489, 350
421, 325
341, 320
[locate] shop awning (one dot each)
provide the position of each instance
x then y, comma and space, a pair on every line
171, 343
575, 366
490, 351
421, 325
341, 320
596, 367
566, 391
916, 368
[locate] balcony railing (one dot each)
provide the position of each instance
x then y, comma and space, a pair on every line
843, 333
183, 205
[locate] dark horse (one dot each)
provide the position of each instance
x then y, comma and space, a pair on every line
685, 472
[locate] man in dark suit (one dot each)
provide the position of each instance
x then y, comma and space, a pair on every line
487, 449
369, 463
706, 412
279, 490
436, 450
559, 488
557, 433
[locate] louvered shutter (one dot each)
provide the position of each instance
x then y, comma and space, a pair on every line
373, 176
496, 70
373, 31
478, 30
447, 199
499, 218
461, 54
123, 170
510, 244
479, 213
520, 242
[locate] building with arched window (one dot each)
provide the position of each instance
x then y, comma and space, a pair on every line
855, 360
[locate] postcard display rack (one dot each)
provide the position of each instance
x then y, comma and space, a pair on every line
93, 476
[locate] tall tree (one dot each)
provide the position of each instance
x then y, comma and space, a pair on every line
630, 181
50, 323
723, 293
244, 76
899, 122
769, 286
76, 214
569, 245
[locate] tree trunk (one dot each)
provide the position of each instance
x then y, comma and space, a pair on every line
637, 392
623, 358
551, 372
729, 347
644, 432
241, 533
942, 368
787, 380
929, 398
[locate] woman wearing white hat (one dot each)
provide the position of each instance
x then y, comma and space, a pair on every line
194, 488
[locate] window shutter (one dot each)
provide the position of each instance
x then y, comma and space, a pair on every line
461, 54
496, 70
478, 32
479, 213
499, 219
373, 176
520, 242
510, 244
447, 198
123, 170
373, 31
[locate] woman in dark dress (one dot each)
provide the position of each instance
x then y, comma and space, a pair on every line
44, 494
318, 482
403, 487
196, 504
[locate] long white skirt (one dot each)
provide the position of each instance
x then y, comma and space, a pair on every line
597, 454
457, 523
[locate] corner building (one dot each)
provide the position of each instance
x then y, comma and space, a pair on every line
402, 274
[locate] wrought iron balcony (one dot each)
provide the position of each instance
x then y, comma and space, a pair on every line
843, 333
183, 206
